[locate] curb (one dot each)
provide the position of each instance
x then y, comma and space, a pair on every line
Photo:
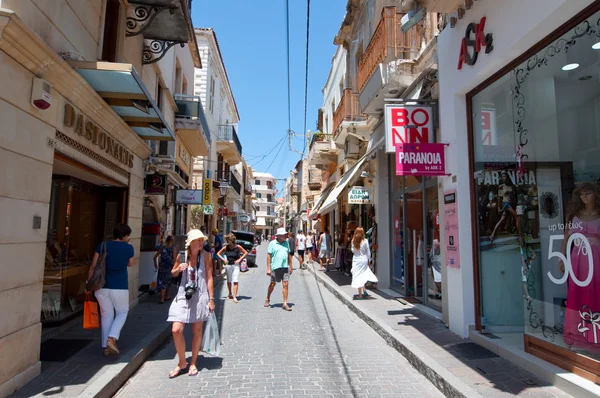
110, 382
446, 382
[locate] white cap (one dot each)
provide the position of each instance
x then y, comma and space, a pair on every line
193, 235
281, 231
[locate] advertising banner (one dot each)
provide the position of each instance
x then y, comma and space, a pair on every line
207, 192
156, 184
188, 197
451, 229
360, 196
420, 160
408, 124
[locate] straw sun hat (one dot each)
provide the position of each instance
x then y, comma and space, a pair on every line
193, 235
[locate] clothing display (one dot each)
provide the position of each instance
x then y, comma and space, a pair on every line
195, 309
361, 273
163, 280
436, 261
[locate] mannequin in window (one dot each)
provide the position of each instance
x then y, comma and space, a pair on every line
582, 315
506, 192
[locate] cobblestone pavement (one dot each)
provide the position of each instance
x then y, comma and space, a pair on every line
318, 349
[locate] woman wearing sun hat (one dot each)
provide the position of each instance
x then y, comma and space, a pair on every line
195, 267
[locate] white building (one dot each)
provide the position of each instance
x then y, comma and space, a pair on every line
224, 164
265, 189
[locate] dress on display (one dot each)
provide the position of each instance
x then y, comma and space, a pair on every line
582, 315
361, 273
436, 261
196, 308
164, 277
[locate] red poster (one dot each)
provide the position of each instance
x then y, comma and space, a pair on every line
420, 160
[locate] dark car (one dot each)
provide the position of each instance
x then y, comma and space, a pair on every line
246, 240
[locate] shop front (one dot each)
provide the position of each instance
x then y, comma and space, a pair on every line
533, 202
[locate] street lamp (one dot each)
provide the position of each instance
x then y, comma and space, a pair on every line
223, 188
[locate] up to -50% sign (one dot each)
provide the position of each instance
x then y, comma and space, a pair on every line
582, 246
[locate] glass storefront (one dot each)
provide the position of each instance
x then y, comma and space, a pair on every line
536, 135
416, 261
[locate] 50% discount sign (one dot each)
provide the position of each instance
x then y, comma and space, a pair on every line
582, 247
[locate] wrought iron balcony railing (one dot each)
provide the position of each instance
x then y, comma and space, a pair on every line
227, 133
190, 107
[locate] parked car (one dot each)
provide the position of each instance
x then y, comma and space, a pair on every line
246, 240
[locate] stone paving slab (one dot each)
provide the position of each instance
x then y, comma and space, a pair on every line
320, 349
458, 367
90, 374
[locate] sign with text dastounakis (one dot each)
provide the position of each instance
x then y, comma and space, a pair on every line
420, 160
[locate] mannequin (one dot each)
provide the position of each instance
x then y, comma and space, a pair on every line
582, 328
506, 191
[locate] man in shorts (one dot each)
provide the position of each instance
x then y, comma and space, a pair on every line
279, 266
325, 246
301, 247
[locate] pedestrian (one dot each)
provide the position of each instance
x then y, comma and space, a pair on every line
166, 253
301, 246
310, 243
195, 299
361, 273
217, 265
325, 247
113, 298
292, 243
279, 266
232, 255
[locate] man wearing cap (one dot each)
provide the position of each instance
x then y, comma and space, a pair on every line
279, 266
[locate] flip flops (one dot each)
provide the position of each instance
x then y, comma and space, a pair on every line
178, 371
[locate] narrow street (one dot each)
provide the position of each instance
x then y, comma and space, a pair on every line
318, 349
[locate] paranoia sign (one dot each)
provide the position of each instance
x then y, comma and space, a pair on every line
420, 160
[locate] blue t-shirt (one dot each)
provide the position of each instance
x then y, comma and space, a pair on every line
117, 259
279, 254
218, 243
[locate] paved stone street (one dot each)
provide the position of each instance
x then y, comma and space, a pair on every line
318, 349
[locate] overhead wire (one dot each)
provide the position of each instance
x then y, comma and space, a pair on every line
275, 157
289, 84
306, 77
281, 141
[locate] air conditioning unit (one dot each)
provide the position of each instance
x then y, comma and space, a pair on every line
351, 147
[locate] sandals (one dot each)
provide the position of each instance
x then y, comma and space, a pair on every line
286, 307
111, 345
193, 371
178, 371
267, 303
235, 300
230, 296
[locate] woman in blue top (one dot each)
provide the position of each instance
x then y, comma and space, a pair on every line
167, 260
114, 296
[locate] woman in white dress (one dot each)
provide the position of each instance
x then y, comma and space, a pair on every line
361, 273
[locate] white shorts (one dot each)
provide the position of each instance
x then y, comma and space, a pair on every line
233, 273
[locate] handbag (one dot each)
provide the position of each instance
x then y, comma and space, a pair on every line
91, 316
244, 265
98, 278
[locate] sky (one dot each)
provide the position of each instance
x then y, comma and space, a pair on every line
252, 38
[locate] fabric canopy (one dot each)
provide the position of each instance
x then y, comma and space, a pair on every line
314, 213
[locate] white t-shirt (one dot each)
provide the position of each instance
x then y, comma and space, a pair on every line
309, 241
301, 242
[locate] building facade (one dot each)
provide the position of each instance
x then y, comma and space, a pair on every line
84, 98
265, 190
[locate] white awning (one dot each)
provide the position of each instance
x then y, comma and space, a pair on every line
314, 213
331, 202
260, 222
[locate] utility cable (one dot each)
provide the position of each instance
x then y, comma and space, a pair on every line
289, 84
306, 76
275, 157
281, 141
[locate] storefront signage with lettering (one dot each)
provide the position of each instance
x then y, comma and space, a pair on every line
92, 132
360, 196
420, 160
469, 44
207, 192
407, 124
188, 197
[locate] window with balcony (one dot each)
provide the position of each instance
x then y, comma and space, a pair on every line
111, 31
269, 184
269, 197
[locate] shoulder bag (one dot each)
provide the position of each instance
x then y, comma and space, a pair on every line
98, 278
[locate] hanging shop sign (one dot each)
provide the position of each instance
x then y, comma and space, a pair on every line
188, 197
155, 184
451, 229
360, 196
84, 127
471, 47
207, 191
420, 160
407, 124
244, 218
208, 210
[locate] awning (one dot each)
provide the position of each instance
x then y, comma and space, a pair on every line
315, 210
123, 89
331, 202
260, 222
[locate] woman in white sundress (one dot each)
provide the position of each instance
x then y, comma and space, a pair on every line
194, 301
361, 273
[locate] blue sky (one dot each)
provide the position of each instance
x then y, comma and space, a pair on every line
252, 38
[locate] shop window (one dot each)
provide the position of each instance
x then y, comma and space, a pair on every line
111, 31
536, 135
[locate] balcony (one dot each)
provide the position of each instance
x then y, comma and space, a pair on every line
235, 184
348, 114
322, 151
191, 124
390, 61
296, 188
315, 179
229, 145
